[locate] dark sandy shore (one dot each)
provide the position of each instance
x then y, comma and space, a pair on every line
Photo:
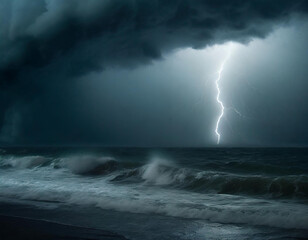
27, 229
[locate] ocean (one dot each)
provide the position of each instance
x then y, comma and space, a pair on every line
168, 193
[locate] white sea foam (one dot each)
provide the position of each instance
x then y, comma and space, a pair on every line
155, 171
24, 162
160, 171
50, 185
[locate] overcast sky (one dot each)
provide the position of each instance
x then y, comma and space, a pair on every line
142, 73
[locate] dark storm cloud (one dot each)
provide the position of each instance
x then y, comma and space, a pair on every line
92, 34
42, 42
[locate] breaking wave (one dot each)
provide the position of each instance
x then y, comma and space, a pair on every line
158, 186
83, 165
165, 173
88, 165
24, 162
162, 172
223, 209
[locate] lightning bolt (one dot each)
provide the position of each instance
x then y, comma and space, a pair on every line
220, 103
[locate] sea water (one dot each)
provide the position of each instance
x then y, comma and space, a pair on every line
183, 193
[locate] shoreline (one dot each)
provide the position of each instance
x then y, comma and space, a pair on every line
50, 221
19, 228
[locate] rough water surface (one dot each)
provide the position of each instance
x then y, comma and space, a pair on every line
186, 193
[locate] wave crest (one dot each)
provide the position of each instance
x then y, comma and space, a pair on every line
24, 162
89, 165
165, 173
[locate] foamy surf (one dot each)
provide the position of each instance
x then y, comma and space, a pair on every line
193, 187
163, 172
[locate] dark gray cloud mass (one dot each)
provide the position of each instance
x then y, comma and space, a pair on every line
45, 44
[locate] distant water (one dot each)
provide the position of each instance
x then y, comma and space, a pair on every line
248, 188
